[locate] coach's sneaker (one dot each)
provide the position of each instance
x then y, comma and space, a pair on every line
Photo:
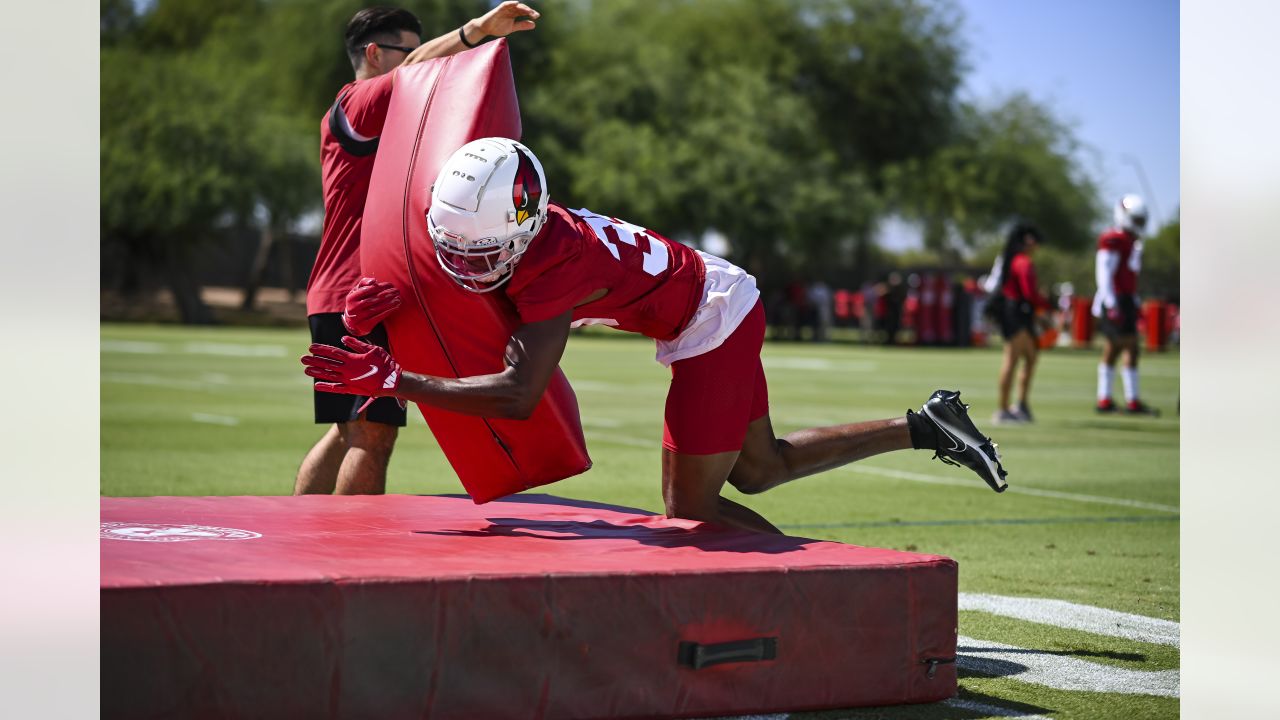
1005, 417
1023, 411
943, 425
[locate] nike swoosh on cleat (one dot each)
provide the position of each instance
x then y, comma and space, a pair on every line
372, 369
958, 445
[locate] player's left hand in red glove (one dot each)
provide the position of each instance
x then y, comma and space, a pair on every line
368, 302
369, 370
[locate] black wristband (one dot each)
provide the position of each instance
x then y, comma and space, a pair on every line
462, 35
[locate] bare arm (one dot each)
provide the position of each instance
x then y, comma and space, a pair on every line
507, 18
531, 356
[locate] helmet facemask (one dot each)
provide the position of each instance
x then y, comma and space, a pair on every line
481, 265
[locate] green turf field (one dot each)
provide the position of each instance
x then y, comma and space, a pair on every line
1091, 516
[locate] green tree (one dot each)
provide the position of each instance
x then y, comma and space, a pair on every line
1160, 262
770, 121
1013, 161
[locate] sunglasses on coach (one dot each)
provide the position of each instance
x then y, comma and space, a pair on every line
384, 46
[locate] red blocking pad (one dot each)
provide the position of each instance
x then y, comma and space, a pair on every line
531, 607
443, 330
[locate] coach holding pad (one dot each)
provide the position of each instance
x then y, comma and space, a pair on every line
352, 456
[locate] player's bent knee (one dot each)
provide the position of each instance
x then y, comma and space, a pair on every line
753, 478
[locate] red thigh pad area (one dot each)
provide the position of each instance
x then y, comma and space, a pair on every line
714, 396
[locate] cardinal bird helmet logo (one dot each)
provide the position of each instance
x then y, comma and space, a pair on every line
526, 188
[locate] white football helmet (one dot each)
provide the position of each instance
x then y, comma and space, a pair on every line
1131, 214
488, 202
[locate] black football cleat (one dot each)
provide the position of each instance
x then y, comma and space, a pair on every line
958, 441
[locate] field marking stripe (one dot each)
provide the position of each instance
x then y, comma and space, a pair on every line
974, 484
1046, 668
211, 419
985, 521
985, 709
1089, 618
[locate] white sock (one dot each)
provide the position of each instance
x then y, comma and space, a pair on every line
1104, 381
1130, 377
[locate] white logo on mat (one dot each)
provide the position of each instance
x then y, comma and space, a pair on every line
166, 532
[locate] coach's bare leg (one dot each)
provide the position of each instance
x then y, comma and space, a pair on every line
319, 470
1007, 367
691, 487
1029, 350
364, 469
766, 461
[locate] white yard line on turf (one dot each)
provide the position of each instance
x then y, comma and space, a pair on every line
972, 483
1044, 667
1088, 618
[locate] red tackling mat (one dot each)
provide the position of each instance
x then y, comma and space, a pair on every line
530, 607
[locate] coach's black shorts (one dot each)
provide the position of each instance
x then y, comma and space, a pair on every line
327, 328
1127, 325
1018, 316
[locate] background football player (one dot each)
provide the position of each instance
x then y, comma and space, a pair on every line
1115, 304
494, 229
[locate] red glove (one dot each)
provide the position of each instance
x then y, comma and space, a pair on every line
369, 370
1113, 314
368, 302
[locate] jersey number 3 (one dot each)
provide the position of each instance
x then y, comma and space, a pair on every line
615, 233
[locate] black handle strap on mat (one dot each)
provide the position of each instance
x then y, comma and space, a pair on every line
698, 656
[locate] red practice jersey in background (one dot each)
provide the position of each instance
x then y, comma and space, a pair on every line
1124, 281
654, 284
348, 140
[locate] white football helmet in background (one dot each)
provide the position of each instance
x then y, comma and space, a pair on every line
488, 202
1131, 214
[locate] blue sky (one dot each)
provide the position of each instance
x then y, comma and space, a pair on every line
1109, 68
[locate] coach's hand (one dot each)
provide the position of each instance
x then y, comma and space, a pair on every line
503, 20
369, 371
368, 302
1113, 314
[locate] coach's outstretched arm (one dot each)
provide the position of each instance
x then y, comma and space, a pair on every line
531, 357
501, 21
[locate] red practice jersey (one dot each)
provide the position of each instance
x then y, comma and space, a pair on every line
1124, 279
348, 139
654, 284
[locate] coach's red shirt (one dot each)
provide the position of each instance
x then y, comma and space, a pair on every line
346, 163
1124, 281
654, 284
1022, 284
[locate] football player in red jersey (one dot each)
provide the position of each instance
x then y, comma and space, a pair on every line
494, 229
1119, 259
352, 455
